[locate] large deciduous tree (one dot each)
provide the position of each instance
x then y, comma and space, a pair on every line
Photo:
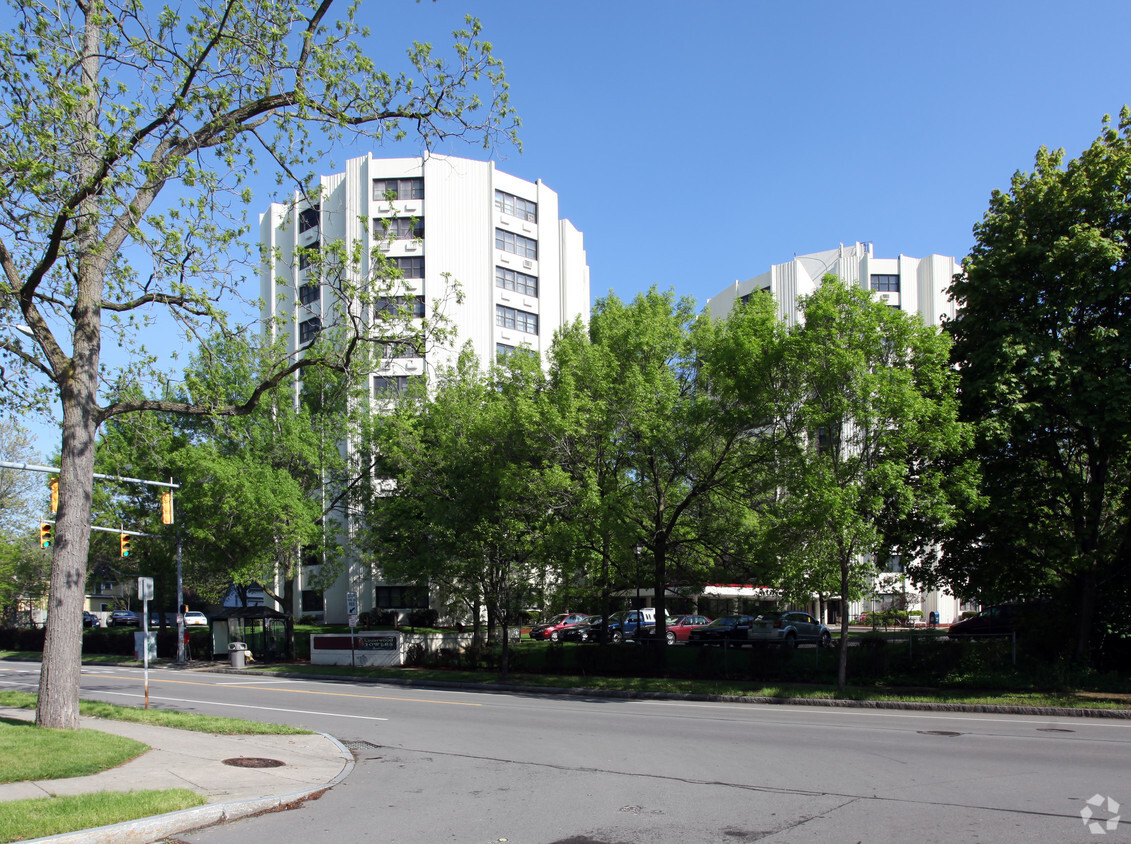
130, 134
666, 452
470, 493
870, 420
1043, 342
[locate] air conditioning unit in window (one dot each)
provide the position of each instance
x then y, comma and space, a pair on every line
885, 296
527, 264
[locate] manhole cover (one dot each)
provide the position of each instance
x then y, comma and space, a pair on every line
254, 762
938, 733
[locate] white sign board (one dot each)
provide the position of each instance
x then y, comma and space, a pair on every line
145, 588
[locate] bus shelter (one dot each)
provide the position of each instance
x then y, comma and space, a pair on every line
268, 633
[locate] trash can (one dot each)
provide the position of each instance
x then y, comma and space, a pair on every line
237, 653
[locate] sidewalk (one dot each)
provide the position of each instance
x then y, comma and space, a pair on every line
184, 759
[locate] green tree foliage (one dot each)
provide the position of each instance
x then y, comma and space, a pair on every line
869, 417
23, 495
1043, 343
470, 494
129, 136
24, 568
255, 494
660, 448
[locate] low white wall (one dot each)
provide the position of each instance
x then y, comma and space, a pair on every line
379, 647
369, 648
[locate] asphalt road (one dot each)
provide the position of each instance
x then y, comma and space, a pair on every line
485, 767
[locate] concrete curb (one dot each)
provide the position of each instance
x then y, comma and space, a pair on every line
919, 706
156, 827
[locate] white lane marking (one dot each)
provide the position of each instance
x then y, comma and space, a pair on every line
247, 706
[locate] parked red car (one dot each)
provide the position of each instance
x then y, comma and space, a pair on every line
552, 629
678, 629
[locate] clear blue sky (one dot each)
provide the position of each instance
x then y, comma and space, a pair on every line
697, 144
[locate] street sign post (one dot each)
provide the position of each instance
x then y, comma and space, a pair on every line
145, 592
351, 611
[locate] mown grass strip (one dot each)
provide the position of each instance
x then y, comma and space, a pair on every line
722, 687
23, 819
28, 752
163, 717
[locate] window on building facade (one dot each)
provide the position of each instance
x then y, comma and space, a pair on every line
398, 348
387, 385
308, 295
400, 597
398, 188
308, 254
516, 244
312, 601
398, 228
396, 305
410, 266
502, 350
516, 281
885, 283
308, 219
893, 564
516, 206
308, 330
516, 319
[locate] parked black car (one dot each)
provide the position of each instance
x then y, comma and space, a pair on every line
992, 621
730, 629
89, 619
588, 631
124, 618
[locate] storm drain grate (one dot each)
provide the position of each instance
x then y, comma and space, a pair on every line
938, 733
254, 762
358, 744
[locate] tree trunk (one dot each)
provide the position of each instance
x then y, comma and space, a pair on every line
659, 600
842, 651
58, 704
1086, 608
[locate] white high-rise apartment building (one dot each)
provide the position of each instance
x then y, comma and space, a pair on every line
442, 221
914, 285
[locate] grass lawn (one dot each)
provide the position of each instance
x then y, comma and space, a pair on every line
23, 819
28, 752
163, 717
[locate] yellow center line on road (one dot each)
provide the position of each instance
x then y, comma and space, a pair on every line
309, 692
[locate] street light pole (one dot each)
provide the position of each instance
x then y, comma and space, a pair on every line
638, 549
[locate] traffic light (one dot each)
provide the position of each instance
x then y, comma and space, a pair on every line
54, 484
167, 507
124, 543
46, 534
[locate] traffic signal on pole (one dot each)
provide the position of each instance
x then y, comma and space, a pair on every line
54, 484
124, 543
46, 534
167, 507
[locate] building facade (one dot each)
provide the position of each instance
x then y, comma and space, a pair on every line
913, 285
445, 223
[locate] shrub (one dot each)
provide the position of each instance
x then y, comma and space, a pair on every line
424, 618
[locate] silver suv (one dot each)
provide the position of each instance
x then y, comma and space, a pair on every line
789, 629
